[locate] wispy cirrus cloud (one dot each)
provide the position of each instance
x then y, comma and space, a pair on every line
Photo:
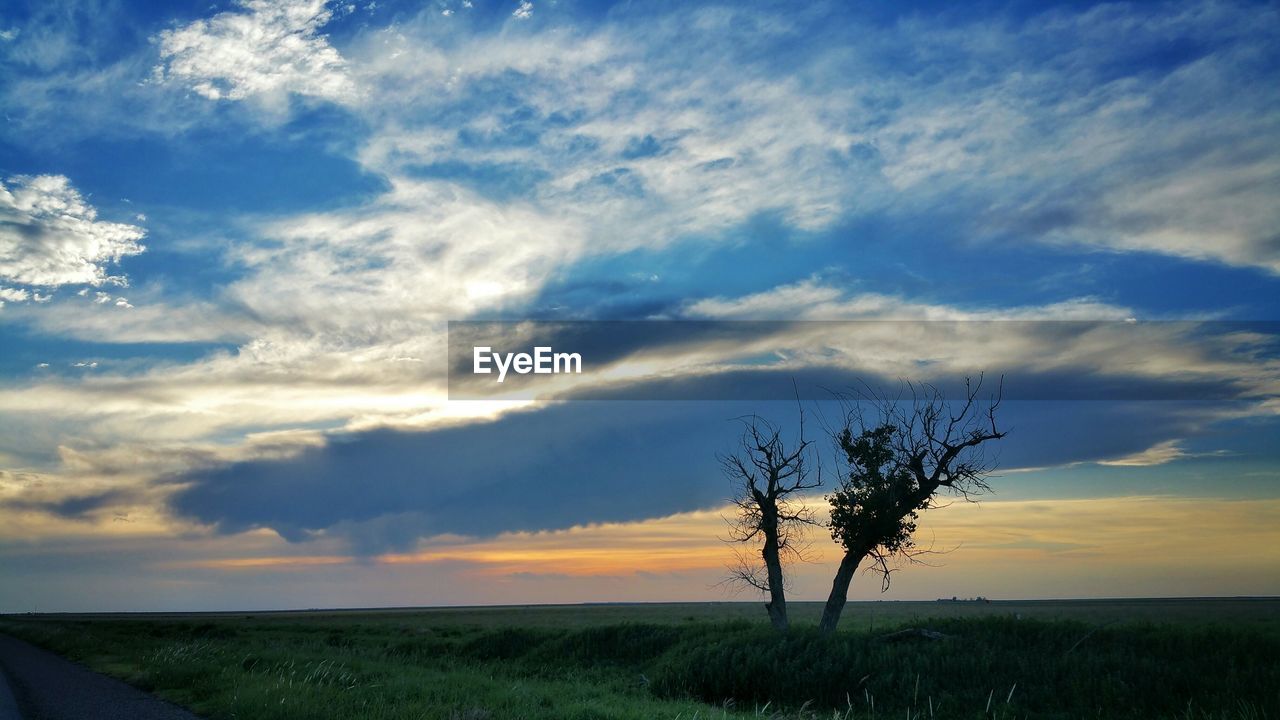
818, 299
1158, 454
1027, 137
1149, 131
641, 143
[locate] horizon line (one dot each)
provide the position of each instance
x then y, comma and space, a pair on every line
625, 603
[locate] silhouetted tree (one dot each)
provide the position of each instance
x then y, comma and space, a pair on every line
768, 476
897, 462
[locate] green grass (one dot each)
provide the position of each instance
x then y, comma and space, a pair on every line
1081, 659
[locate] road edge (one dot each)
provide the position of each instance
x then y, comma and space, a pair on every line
8, 703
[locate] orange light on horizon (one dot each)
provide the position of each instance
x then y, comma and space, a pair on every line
995, 542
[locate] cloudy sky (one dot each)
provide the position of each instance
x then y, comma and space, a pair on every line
232, 237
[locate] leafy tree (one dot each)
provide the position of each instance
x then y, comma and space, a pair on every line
896, 465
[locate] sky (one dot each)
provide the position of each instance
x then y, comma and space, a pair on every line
233, 236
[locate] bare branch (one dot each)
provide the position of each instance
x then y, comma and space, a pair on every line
769, 476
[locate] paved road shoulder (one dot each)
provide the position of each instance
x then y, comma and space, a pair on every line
49, 687
8, 704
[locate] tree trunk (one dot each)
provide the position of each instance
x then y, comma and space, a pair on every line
777, 605
839, 591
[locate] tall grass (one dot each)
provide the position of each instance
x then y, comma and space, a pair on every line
987, 667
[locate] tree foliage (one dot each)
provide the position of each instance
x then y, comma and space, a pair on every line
898, 457
868, 507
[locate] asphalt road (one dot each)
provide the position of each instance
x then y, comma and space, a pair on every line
8, 705
44, 686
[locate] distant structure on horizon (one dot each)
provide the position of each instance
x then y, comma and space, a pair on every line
954, 599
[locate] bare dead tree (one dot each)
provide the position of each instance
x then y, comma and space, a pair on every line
769, 476
898, 458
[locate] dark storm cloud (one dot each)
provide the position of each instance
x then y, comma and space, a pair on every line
76, 507
562, 466
585, 462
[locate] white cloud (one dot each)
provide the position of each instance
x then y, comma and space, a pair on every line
649, 135
654, 128
1050, 144
524, 11
412, 257
13, 295
1026, 138
639, 143
157, 321
50, 236
271, 49
920, 340
814, 299
1158, 454
337, 302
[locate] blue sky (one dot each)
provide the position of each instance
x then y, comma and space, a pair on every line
232, 234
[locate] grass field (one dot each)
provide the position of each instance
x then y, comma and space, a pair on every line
1192, 658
